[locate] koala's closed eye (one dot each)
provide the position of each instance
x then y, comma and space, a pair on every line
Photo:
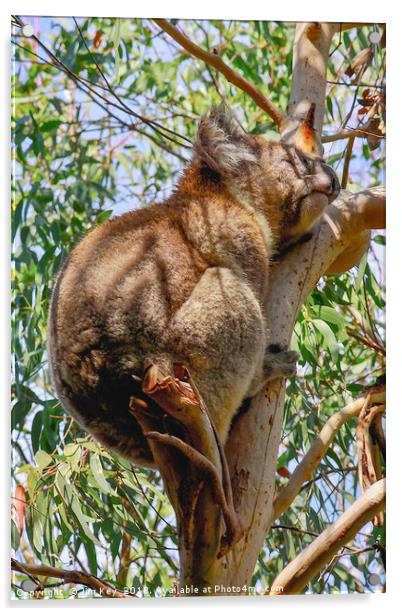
298, 160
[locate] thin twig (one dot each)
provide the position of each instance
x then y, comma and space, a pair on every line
105, 589
355, 85
82, 84
348, 157
367, 341
159, 128
347, 134
347, 469
232, 76
294, 529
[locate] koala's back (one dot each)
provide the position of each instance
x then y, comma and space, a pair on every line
121, 286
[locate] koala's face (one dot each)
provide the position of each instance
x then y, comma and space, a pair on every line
297, 185
290, 187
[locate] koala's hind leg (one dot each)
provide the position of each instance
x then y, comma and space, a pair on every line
219, 333
277, 364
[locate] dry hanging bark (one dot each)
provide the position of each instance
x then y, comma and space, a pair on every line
311, 460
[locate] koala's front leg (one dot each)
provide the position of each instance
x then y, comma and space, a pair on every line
277, 364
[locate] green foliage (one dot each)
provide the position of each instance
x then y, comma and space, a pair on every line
77, 161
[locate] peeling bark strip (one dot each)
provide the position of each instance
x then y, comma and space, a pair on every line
369, 459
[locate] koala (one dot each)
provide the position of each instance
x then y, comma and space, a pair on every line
183, 283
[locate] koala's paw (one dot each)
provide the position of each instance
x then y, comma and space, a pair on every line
280, 364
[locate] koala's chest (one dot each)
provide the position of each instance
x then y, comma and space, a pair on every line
236, 239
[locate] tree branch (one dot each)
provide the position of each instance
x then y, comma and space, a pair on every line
347, 134
232, 76
310, 60
366, 211
368, 342
368, 208
304, 471
351, 255
302, 569
71, 577
346, 164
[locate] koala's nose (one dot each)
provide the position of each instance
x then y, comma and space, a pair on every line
333, 182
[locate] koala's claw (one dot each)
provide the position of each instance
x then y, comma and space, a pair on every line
286, 357
280, 365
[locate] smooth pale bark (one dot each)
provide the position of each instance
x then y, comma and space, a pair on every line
310, 59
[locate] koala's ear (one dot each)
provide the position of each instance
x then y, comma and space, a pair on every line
221, 143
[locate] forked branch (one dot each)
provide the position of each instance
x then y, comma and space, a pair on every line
306, 565
304, 471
